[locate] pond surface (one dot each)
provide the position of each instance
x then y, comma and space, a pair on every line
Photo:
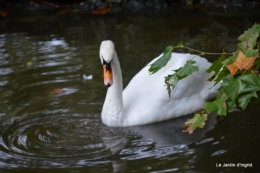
52, 92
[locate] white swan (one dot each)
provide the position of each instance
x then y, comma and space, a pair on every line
145, 99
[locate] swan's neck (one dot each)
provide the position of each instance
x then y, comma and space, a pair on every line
113, 106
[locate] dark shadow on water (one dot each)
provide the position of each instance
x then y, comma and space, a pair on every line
157, 140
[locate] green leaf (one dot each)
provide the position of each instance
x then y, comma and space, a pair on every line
171, 80
250, 52
187, 69
244, 99
251, 83
218, 105
219, 70
223, 73
197, 121
181, 73
258, 46
249, 38
231, 59
257, 64
231, 104
252, 79
163, 60
257, 99
217, 65
242, 88
234, 86
231, 86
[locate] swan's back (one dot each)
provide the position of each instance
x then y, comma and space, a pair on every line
146, 99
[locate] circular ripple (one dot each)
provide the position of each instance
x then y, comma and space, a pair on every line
57, 141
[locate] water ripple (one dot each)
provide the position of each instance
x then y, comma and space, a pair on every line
57, 139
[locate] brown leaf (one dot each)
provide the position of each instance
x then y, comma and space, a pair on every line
102, 10
242, 62
3, 13
56, 91
232, 68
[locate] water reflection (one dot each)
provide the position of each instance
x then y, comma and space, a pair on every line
55, 139
43, 129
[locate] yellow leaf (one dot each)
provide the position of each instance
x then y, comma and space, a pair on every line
29, 63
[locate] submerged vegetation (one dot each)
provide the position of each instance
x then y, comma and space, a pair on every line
237, 75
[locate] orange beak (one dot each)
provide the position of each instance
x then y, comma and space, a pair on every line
108, 76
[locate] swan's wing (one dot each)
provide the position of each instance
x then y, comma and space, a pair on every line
146, 99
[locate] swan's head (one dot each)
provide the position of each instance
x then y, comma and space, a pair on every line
106, 54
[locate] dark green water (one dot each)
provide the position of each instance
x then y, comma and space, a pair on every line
45, 132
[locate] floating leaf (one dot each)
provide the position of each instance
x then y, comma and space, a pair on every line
3, 13
29, 63
197, 121
56, 91
102, 10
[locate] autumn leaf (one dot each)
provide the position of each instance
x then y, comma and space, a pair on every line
56, 91
241, 62
232, 68
29, 63
197, 121
102, 10
244, 62
3, 13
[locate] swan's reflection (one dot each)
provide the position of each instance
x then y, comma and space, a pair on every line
152, 140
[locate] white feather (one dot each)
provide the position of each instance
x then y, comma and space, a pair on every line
145, 99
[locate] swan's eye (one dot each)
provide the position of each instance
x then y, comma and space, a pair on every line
107, 64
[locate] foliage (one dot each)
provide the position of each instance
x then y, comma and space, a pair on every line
161, 62
181, 73
197, 121
238, 76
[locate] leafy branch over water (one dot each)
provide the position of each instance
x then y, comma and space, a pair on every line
238, 76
